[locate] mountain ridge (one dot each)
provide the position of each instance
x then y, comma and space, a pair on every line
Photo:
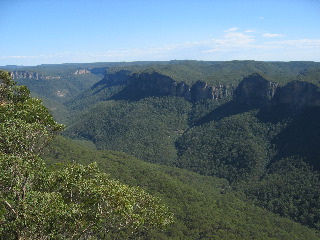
257, 91
263, 139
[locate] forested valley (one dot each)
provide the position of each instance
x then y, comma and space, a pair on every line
160, 150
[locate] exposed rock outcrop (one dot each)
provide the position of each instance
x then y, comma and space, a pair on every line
253, 90
298, 94
183, 90
31, 75
81, 71
156, 84
202, 90
116, 78
256, 91
26, 75
153, 84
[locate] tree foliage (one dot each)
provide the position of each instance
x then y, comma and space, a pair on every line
204, 207
146, 129
265, 152
213, 138
74, 202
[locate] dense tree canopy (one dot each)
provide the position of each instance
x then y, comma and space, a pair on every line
270, 153
73, 202
204, 207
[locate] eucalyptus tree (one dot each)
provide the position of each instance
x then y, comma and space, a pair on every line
70, 202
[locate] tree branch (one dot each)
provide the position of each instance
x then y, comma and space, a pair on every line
11, 208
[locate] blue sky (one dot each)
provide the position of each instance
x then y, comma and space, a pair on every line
63, 31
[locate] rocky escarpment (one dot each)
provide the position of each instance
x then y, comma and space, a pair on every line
81, 71
152, 83
31, 75
298, 94
202, 90
155, 84
255, 90
26, 75
116, 78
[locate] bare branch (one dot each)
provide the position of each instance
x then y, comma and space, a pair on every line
11, 208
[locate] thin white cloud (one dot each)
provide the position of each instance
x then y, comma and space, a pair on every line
232, 44
235, 38
62, 54
297, 43
231, 29
17, 57
272, 35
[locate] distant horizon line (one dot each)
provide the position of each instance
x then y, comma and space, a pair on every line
139, 61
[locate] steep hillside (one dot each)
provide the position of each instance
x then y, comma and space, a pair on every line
70, 202
230, 72
147, 128
240, 139
59, 87
262, 137
61, 82
203, 207
192, 80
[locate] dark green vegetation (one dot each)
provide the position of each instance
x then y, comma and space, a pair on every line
259, 146
204, 207
69, 202
57, 83
230, 72
147, 129
212, 72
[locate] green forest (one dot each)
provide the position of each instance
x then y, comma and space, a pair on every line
161, 150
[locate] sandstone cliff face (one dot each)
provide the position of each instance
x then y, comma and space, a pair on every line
31, 75
81, 71
26, 75
116, 78
298, 94
201, 90
153, 83
254, 90
156, 84
183, 90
